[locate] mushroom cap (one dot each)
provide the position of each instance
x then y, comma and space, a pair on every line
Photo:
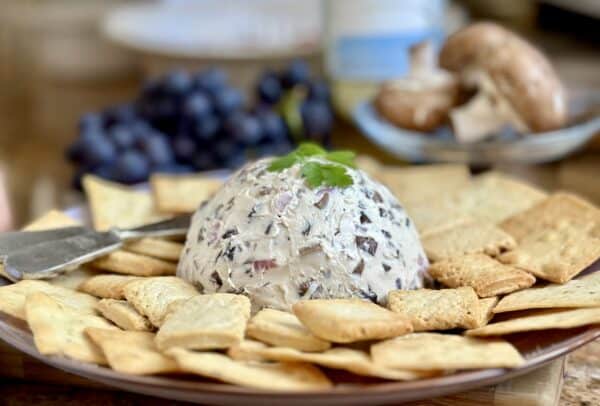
521, 73
418, 103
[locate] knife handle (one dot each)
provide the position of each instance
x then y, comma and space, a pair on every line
174, 227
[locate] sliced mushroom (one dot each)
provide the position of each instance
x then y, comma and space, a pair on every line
421, 100
513, 79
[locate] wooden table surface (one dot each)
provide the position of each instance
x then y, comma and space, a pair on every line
35, 129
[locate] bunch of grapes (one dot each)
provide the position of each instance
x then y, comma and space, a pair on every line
184, 122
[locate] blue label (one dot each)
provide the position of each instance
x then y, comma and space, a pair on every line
378, 57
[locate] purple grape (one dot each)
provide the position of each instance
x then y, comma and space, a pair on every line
246, 129
296, 73
122, 136
273, 126
228, 100
269, 88
156, 149
197, 105
184, 148
124, 113
206, 128
210, 80
317, 120
173, 168
131, 167
225, 149
96, 149
319, 90
177, 83
204, 160
91, 121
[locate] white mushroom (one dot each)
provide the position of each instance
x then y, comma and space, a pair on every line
422, 99
515, 83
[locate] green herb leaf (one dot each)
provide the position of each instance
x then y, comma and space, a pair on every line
283, 162
312, 172
343, 157
309, 149
335, 175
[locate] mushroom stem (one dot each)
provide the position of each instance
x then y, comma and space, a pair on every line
422, 59
477, 119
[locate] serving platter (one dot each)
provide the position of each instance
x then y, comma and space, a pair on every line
442, 147
538, 348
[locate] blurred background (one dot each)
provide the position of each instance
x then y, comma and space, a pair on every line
121, 88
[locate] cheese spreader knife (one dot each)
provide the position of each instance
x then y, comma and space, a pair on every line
58, 252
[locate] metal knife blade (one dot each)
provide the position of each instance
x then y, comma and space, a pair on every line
48, 259
16, 240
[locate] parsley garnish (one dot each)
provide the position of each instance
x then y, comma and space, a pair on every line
318, 173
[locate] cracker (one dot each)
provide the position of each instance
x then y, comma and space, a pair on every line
58, 329
541, 320
494, 197
484, 274
152, 296
368, 164
433, 351
434, 216
12, 297
247, 350
182, 193
576, 293
486, 310
348, 359
468, 238
348, 320
556, 255
268, 376
132, 352
424, 183
73, 279
283, 329
205, 322
52, 219
128, 263
157, 248
558, 209
124, 315
115, 205
443, 309
107, 286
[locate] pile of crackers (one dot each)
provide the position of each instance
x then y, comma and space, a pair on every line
500, 249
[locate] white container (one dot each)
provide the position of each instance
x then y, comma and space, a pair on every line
368, 41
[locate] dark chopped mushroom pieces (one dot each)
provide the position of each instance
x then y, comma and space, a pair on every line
216, 279
322, 201
366, 244
263, 264
311, 249
359, 268
229, 233
364, 218
386, 267
306, 230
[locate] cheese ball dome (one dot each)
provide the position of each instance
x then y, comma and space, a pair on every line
270, 236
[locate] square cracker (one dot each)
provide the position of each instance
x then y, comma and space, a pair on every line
268, 376
434, 215
156, 248
348, 359
124, 315
557, 210
12, 297
58, 329
467, 238
555, 254
494, 197
434, 351
73, 279
115, 205
128, 263
182, 193
422, 183
442, 309
484, 274
486, 310
153, 296
576, 293
205, 322
541, 320
283, 329
349, 320
107, 286
131, 352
